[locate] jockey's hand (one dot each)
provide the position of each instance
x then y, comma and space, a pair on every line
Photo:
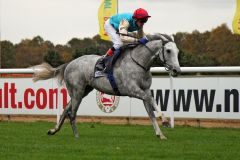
143, 40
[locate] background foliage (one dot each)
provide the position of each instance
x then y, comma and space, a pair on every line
218, 47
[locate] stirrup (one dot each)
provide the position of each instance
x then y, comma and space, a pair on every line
105, 70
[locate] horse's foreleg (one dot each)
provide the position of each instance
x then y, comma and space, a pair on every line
61, 121
146, 96
149, 104
153, 119
157, 109
160, 114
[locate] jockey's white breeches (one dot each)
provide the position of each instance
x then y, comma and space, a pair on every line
111, 32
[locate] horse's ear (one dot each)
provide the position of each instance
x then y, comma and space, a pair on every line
172, 37
158, 36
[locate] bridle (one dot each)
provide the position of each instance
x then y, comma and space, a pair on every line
156, 55
164, 40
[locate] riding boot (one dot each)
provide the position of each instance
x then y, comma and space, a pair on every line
101, 64
115, 56
110, 61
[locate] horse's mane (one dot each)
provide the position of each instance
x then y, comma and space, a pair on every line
151, 37
159, 36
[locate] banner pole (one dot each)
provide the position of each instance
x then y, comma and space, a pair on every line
117, 6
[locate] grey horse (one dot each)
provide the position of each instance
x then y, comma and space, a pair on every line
131, 72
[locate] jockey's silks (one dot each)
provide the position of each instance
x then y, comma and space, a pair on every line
109, 52
116, 19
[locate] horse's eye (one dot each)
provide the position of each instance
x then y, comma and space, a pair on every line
168, 51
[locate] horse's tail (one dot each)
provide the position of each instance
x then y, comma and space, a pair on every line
46, 71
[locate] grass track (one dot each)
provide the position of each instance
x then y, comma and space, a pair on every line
28, 141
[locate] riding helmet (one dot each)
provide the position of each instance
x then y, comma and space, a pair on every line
140, 13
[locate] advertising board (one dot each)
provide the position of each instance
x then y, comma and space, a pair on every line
193, 97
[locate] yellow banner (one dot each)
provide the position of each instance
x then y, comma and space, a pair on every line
105, 11
236, 19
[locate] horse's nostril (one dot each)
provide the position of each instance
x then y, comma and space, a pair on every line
175, 71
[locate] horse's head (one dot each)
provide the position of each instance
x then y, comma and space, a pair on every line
168, 53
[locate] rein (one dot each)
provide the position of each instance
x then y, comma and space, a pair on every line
164, 42
164, 63
146, 69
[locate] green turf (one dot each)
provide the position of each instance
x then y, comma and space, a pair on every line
23, 141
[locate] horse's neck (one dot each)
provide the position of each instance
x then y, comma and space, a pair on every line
143, 57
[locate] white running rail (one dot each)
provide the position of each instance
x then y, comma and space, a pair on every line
153, 70
225, 69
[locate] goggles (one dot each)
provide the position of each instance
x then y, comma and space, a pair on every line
143, 20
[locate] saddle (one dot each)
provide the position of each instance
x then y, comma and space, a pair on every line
101, 64
99, 68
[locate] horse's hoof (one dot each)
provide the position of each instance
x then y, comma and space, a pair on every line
166, 124
76, 136
162, 137
50, 132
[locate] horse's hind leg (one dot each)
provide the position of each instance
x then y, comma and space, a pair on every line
61, 121
76, 100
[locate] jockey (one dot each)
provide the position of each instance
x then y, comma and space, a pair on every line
126, 24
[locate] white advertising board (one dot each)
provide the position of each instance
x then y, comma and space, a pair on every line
193, 97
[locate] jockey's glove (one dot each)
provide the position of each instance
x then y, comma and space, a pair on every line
143, 40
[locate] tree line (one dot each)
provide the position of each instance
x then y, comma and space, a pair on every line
218, 47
